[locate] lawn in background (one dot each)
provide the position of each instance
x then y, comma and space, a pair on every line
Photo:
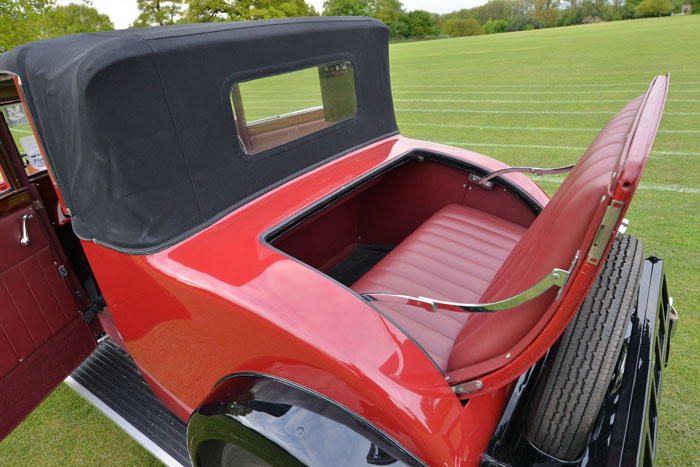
528, 98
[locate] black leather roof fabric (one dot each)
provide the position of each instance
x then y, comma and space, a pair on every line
139, 129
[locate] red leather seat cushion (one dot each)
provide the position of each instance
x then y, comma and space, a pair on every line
454, 255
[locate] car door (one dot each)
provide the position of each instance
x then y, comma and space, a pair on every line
42, 335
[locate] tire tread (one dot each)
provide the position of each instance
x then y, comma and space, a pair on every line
573, 387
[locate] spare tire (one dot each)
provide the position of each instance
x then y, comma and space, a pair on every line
574, 384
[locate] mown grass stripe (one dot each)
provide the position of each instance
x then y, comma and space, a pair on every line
532, 101
525, 128
572, 85
537, 112
642, 186
597, 91
502, 101
542, 146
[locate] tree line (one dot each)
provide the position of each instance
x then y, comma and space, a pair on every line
403, 24
24, 21
28, 20
517, 15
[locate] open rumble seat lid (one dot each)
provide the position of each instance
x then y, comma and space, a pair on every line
138, 125
582, 218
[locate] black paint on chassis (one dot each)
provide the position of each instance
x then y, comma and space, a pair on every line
625, 431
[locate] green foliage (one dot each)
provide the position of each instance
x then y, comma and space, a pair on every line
73, 18
653, 8
211, 11
22, 21
417, 23
525, 22
387, 11
463, 27
269, 9
348, 8
208, 11
158, 13
494, 27
695, 7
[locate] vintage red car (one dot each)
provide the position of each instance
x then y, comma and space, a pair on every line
231, 215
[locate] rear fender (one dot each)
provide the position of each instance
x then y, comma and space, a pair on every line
287, 424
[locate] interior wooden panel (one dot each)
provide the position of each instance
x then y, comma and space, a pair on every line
14, 200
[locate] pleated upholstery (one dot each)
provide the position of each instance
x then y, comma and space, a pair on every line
454, 255
465, 255
551, 242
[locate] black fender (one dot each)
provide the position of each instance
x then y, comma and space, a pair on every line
287, 424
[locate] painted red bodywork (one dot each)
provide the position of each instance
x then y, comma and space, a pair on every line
223, 301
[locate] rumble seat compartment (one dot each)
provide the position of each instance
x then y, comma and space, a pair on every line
454, 255
465, 255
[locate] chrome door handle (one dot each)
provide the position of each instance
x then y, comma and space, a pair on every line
25, 240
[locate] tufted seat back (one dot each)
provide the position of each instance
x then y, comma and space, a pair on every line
567, 224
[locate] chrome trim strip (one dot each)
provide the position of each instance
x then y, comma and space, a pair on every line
148, 444
557, 277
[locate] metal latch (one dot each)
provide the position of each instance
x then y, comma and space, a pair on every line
95, 307
605, 230
63, 271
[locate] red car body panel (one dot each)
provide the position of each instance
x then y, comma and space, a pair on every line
176, 311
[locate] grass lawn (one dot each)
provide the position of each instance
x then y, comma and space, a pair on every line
528, 98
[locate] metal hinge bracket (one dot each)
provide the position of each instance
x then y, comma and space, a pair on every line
605, 231
93, 309
485, 181
467, 388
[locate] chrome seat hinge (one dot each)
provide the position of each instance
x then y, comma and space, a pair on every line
485, 181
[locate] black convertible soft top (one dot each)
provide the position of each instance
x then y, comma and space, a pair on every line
138, 126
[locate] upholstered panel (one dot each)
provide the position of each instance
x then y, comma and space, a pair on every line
451, 256
35, 303
551, 241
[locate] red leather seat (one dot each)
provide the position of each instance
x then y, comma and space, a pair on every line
462, 254
451, 256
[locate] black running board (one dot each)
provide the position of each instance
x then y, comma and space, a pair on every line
110, 381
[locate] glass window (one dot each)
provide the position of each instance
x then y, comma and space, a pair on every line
274, 110
22, 133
